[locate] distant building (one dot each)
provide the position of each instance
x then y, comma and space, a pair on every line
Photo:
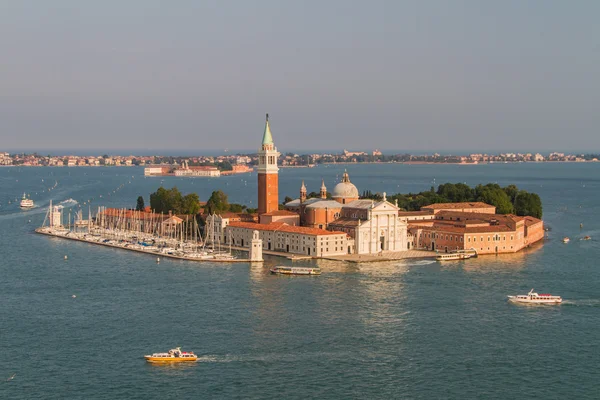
156, 170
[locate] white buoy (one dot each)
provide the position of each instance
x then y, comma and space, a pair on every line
66, 257
157, 259
73, 296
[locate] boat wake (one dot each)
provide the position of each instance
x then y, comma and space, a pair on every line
582, 303
37, 209
422, 262
68, 203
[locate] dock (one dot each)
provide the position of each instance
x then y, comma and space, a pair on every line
79, 238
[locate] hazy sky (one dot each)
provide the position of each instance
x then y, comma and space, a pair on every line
403, 75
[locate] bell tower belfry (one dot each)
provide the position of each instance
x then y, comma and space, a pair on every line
268, 173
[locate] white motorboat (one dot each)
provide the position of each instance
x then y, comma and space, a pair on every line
535, 298
26, 202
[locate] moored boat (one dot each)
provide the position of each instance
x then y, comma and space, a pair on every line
173, 356
534, 298
566, 240
587, 238
296, 270
26, 202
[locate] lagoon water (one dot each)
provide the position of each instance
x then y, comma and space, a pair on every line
414, 330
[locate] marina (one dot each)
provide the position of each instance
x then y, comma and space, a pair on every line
112, 233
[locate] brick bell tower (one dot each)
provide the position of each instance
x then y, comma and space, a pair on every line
268, 174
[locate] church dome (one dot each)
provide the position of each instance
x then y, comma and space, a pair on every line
345, 189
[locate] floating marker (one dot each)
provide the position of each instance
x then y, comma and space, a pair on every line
66, 257
157, 260
73, 296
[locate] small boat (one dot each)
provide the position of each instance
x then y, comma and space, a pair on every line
26, 202
173, 356
566, 240
296, 270
587, 238
534, 298
457, 255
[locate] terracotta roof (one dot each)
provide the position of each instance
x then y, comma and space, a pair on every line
345, 221
441, 206
279, 213
283, 227
531, 221
413, 213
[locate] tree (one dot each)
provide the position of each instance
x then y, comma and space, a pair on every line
159, 200
287, 199
140, 204
455, 193
217, 203
163, 201
493, 194
190, 204
528, 204
236, 208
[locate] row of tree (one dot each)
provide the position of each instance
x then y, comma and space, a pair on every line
165, 200
219, 203
507, 200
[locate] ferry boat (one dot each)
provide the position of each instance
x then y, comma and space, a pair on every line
534, 298
566, 240
457, 255
26, 203
296, 270
173, 356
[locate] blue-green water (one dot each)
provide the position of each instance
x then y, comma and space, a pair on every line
391, 330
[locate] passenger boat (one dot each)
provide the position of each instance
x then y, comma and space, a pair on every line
566, 240
296, 270
173, 356
457, 255
26, 203
534, 298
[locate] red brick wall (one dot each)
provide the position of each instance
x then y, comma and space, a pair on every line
268, 193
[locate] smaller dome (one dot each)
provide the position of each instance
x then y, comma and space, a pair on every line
345, 189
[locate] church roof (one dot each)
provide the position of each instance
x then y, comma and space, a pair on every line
360, 204
324, 204
267, 137
346, 221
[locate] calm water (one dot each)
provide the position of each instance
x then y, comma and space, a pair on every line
389, 330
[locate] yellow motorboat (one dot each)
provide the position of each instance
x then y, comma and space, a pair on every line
174, 355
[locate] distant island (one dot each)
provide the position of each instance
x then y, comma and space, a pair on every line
236, 163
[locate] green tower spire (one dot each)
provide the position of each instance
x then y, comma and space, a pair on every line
267, 137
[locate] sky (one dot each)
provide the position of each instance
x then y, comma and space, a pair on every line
425, 75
